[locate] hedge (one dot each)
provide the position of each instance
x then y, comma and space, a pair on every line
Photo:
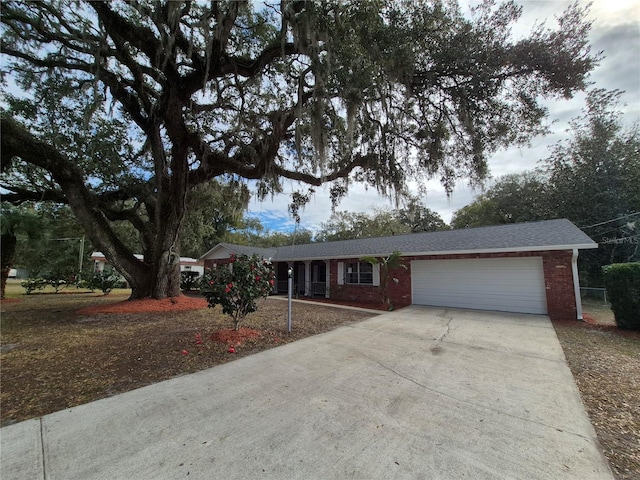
622, 281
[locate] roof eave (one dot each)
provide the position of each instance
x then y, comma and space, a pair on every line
218, 246
580, 246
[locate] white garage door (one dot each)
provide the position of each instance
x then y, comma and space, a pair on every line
502, 284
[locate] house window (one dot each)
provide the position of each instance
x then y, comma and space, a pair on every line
359, 273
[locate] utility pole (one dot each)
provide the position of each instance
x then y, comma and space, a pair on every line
80, 257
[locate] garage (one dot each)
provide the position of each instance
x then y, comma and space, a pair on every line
500, 284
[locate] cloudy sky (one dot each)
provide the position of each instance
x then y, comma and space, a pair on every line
615, 31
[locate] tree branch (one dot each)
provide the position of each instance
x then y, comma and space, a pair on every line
19, 195
126, 32
16, 141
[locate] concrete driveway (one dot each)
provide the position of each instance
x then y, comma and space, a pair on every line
418, 393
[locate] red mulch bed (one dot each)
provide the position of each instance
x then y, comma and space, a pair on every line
145, 305
10, 300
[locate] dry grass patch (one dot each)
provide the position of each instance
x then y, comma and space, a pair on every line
55, 357
605, 363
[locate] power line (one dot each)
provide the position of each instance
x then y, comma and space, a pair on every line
614, 229
612, 220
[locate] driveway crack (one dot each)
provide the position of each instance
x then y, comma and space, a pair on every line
476, 405
42, 450
436, 349
446, 330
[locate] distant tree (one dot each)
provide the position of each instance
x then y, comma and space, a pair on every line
280, 239
42, 239
347, 226
250, 231
342, 225
514, 198
414, 217
214, 210
53, 246
419, 218
126, 107
594, 180
13, 222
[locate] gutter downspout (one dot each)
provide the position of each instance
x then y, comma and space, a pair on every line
576, 283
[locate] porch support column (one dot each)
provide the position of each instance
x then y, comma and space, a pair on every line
327, 279
307, 278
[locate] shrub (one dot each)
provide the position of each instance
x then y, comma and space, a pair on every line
622, 281
104, 281
238, 286
189, 280
33, 284
57, 280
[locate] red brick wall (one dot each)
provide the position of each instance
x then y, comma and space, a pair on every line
351, 293
400, 293
558, 280
561, 304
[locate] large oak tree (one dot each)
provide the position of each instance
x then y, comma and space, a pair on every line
148, 100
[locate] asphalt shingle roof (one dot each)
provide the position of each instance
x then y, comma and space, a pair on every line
246, 250
544, 235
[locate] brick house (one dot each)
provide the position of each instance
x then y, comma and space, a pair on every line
525, 267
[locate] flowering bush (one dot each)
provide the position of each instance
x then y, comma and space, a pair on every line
238, 285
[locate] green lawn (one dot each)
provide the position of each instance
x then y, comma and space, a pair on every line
15, 290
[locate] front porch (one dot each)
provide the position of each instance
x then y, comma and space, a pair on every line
310, 278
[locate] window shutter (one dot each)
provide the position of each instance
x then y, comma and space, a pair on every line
376, 275
340, 273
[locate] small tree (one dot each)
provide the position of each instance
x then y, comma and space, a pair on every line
33, 284
238, 285
387, 264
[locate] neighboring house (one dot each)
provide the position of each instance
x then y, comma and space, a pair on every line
526, 267
100, 261
187, 264
19, 273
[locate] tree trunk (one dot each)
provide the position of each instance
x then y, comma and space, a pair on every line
166, 276
7, 254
